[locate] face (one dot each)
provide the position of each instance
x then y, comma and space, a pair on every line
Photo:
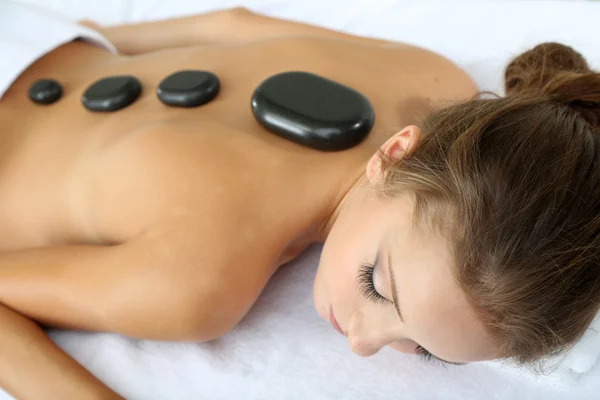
375, 264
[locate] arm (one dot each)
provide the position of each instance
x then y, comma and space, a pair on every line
33, 367
150, 288
227, 26
33, 287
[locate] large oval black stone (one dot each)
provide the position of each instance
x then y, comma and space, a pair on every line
313, 111
45, 91
112, 93
188, 88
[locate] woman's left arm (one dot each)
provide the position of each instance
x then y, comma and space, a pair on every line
225, 26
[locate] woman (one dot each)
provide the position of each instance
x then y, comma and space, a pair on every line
466, 236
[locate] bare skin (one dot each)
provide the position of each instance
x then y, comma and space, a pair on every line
99, 210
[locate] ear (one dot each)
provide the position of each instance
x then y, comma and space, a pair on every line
394, 149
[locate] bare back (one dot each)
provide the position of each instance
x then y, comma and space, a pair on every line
71, 176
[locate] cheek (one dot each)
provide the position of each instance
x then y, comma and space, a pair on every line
349, 243
335, 282
340, 254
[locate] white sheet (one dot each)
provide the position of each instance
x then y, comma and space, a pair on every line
21, 46
282, 350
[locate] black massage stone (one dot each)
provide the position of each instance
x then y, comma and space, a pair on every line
112, 93
188, 88
313, 111
45, 91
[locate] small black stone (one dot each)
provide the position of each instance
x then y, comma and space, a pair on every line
188, 88
45, 91
112, 93
312, 111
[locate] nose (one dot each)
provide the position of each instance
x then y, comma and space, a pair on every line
369, 332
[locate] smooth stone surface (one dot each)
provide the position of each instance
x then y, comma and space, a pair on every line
188, 88
45, 91
313, 111
112, 93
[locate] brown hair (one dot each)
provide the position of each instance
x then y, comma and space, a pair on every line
512, 184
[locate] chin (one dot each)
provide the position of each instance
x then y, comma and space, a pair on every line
321, 309
321, 314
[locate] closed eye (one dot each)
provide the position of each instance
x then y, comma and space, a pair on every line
366, 285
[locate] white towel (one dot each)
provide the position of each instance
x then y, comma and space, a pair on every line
27, 32
586, 352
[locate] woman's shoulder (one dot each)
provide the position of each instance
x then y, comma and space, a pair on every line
442, 72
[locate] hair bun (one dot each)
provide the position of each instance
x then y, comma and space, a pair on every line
531, 70
560, 72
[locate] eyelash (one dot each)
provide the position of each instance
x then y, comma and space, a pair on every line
425, 355
366, 285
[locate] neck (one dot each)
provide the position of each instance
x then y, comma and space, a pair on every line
316, 197
346, 189
332, 179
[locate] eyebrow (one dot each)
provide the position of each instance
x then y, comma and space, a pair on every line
397, 306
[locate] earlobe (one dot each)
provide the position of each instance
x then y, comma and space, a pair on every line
373, 167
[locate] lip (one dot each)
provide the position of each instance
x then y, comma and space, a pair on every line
334, 322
